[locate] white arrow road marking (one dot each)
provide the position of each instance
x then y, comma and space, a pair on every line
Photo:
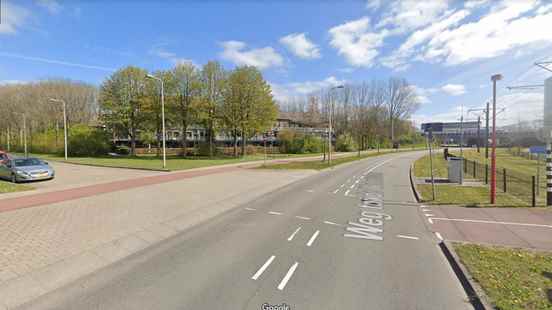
288, 275
407, 237
294, 233
263, 268
313, 238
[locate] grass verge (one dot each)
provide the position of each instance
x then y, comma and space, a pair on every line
511, 278
467, 196
7, 187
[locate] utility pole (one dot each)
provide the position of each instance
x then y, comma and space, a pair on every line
461, 130
548, 128
64, 123
478, 133
487, 132
25, 134
494, 78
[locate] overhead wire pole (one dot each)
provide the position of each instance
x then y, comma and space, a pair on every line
487, 132
494, 79
64, 124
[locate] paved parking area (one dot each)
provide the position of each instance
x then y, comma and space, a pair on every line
71, 176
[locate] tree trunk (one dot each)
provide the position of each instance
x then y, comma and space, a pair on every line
184, 141
243, 142
235, 143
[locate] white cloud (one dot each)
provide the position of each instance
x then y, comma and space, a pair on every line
51, 5
506, 26
261, 58
12, 82
284, 92
409, 15
172, 57
424, 93
56, 62
454, 89
356, 42
400, 58
12, 17
301, 46
521, 106
373, 4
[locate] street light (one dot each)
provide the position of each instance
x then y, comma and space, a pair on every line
330, 125
494, 78
149, 76
64, 123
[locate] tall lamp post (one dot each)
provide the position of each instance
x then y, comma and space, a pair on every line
494, 78
149, 76
330, 125
64, 123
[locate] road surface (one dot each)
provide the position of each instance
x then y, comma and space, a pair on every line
349, 238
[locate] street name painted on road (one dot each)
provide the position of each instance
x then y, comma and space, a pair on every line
370, 223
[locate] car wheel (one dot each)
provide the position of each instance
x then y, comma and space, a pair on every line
14, 178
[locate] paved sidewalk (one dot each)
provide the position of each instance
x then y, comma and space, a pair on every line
46, 247
514, 227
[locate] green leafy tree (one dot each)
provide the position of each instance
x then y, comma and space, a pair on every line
121, 101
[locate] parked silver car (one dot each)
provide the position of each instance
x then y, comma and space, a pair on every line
26, 169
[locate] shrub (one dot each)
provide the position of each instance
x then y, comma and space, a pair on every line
87, 141
345, 143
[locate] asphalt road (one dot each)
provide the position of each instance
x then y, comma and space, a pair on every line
314, 244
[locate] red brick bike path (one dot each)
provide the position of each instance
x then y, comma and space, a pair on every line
33, 200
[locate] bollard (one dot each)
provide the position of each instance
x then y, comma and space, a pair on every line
533, 192
504, 175
474, 170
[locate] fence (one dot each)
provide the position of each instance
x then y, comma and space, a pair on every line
524, 188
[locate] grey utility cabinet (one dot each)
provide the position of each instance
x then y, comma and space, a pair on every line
456, 169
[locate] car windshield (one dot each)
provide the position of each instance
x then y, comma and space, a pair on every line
27, 162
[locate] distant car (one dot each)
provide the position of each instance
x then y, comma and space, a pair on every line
4, 157
26, 169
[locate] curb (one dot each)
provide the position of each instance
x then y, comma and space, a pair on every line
413, 185
103, 166
475, 293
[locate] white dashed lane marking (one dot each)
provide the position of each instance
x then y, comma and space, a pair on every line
294, 233
303, 217
311, 240
275, 213
288, 275
407, 237
263, 268
250, 209
332, 223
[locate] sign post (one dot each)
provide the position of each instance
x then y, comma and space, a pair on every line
548, 135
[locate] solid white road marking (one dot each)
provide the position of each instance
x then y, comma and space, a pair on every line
426, 210
429, 215
263, 268
294, 233
303, 217
313, 238
332, 223
250, 209
492, 222
439, 236
287, 276
275, 213
347, 192
352, 186
407, 237
430, 221
335, 192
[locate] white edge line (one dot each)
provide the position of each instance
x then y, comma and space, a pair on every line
332, 223
430, 221
275, 213
250, 209
311, 241
263, 268
429, 214
407, 237
294, 233
426, 210
288, 275
492, 222
439, 236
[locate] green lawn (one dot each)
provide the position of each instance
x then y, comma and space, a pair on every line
7, 187
465, 195
504, 159
468, 196
511, 278
319, 165
173, 162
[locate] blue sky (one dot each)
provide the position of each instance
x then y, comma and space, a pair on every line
447, 49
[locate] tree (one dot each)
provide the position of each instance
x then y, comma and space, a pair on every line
248, 104
401, 101
213, 78
122, 98
186, 87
